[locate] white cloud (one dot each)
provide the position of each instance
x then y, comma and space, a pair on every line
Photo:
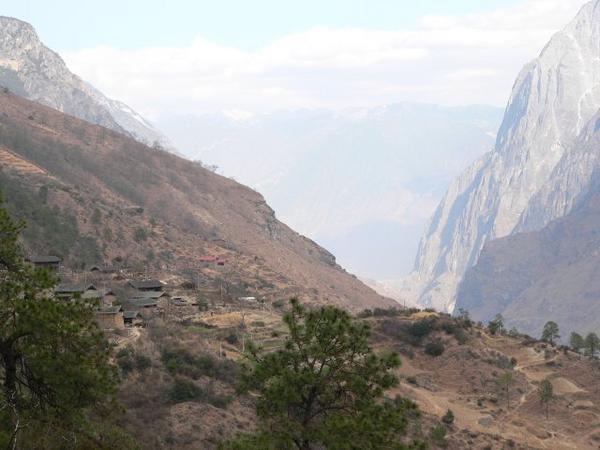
447, 59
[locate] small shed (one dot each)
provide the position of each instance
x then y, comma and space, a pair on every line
131, 318
110, 318
106, 297
103, 269
145, 303
70, 290
179, 301
155, 295
147, 285
47, 261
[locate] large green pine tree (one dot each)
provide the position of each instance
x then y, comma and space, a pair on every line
57, 384
324, 388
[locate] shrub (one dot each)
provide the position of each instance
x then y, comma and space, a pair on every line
179, 361
124, 361
434, 348
438, 436
448, 418
184, 390
278, 304
460, 336
386, 312
232, 339
142, 362
365, 313
422, 328
140, 234
128, 360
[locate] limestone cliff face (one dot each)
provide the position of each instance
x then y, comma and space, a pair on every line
32, 70
530, 177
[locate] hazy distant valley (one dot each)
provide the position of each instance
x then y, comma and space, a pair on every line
362, 182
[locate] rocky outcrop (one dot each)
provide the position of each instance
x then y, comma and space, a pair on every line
30, 69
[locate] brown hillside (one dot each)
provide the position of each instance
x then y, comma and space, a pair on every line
93, 195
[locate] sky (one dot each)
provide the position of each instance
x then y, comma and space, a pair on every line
247, 57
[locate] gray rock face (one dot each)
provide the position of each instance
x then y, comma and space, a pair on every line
32, 70
534, 173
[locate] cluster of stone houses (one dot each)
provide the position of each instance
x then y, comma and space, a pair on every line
144, 296
123, 299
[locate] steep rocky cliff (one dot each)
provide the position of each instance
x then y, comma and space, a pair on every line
529, 178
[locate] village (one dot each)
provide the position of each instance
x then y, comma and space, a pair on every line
127, 301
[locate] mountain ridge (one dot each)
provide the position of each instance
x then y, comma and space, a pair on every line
34, 71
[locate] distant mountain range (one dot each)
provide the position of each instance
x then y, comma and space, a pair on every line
31, 70
540, 168
362, 182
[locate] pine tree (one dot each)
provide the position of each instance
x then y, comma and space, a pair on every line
496, 324
550, 332
592, 343
325, 388
577, 342
54, 361
505, 381
546, 393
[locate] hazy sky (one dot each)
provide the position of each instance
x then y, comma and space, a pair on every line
252, 56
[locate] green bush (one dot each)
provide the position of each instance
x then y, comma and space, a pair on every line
142, 362
140, 235
448, 418
438, 436
125, 361
365, 313
434, 348
232, 339
129, 360
180, 362
422, 328
184, 391
386, 312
